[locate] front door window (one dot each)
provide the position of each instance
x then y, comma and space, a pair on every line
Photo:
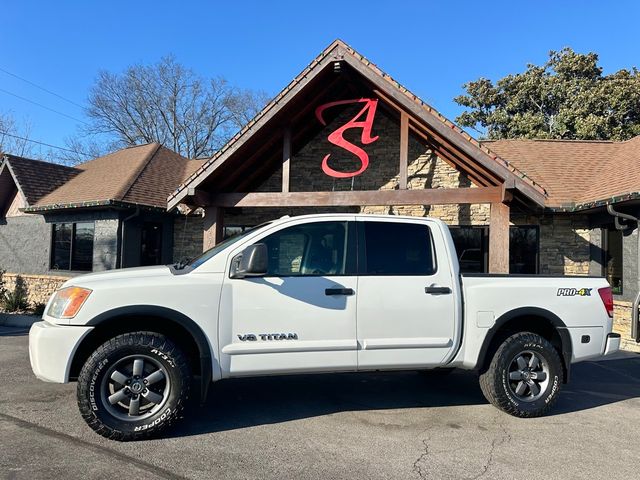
308, 250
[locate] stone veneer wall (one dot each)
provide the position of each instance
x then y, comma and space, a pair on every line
565, 242
187, 236
25, 243
39, 287
622, 324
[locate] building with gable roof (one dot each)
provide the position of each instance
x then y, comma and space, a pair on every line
343, 136
107, 213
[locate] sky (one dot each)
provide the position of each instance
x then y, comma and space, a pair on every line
430, 47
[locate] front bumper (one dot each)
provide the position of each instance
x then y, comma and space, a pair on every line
612, 345
51, 349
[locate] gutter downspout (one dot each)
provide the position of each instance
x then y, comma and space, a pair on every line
124, 220
635, 314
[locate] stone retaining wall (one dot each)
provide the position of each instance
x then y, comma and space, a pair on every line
39, 287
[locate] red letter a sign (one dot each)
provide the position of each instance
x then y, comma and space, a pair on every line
369, 112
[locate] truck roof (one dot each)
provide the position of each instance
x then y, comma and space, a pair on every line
351, 215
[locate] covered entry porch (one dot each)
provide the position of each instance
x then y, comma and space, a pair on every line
343, 136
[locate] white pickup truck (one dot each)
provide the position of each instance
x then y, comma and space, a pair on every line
319, 293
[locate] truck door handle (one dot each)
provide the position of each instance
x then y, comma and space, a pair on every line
435, 290
339, 291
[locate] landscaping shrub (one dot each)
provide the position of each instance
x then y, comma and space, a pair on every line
2, 287
15, 300
38, 309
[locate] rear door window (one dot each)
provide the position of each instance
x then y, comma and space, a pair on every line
393, 248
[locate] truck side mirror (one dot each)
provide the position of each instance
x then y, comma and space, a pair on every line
252, 262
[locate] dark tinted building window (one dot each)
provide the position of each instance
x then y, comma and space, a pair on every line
472, 247
523, 249
233, 230
397, 249
613, 259
72, 246
61, 251
151, 244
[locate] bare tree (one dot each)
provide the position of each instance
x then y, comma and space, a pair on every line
244, 104
81, 148
170, 104
14, 138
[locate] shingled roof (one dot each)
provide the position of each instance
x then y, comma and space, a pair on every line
142, 175
577, 174
35, 178
339, 51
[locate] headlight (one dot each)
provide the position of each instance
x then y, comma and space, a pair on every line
67, 302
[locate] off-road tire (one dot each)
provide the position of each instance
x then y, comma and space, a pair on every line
94, 405
495, 381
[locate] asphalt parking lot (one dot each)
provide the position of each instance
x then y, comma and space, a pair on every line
401, 425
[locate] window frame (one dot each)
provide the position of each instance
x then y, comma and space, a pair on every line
71, 246
362, 250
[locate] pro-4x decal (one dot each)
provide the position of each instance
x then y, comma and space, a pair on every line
572, 292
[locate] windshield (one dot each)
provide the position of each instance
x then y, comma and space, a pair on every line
200, 259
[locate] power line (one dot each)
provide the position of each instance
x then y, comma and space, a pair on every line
42, 88
42, 106
43, 143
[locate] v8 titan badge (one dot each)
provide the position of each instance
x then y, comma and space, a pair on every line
573, 292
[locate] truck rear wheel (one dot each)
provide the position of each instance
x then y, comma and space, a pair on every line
524, 376
133, 386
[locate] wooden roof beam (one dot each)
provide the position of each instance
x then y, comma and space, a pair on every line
443, 137
436, 196
478, 176
419, 129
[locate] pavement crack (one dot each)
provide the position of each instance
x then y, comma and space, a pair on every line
505, 438
417, 468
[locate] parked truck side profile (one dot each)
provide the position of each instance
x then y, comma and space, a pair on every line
316, 293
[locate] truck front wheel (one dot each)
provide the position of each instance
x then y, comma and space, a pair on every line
133, 386
524, 376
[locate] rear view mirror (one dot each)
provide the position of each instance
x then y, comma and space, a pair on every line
252, 262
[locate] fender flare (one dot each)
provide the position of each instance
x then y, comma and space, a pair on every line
199, 337
558, 324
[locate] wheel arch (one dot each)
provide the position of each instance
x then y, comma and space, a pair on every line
531, 319
176, 325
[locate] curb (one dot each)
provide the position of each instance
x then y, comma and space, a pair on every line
18, 320
628, 345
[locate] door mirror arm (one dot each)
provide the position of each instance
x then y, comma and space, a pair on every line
253, 261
